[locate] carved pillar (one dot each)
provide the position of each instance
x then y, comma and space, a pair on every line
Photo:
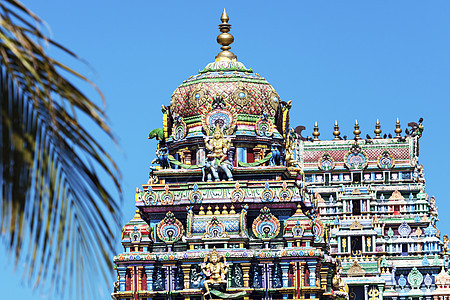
323, 277
186, 271
285, 271
149, 273
122, 271
246, 270
366, 292
312, 272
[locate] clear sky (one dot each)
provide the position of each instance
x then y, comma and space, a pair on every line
336, 60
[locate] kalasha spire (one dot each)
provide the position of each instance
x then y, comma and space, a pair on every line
225, 39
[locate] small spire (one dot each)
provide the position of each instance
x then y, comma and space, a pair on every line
316, 132
336, 131
357, 132
225, 39
377, 130
137, 214
224, 210
398, 130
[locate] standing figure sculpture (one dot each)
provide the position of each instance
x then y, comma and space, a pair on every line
214, 270
219, 146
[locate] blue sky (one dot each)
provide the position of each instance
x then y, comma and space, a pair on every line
336, 60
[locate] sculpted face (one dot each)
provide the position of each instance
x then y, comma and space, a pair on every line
214, 259
217, 135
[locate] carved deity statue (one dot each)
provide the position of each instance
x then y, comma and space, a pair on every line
290, 149
339, 285
219, 146
214, 270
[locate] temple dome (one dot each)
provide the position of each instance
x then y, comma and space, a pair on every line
246, 91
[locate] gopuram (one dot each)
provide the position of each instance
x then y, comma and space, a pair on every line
242, 206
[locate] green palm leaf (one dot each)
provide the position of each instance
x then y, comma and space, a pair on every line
57, 216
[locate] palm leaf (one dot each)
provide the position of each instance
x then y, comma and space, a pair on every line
57, 216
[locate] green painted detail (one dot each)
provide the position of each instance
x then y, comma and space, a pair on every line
223, 79
172, 160
193, 119
390, 232
436, 260
415, 278
225, 66
256, 163
384, 262
157, 133
227, 295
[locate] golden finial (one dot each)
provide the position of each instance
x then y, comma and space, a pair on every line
232, 211
209, 212
357, 132
377, 130
217, 211
336, 131
224, 211
137, 215
202, 210
225, 39
398, 130
316, 132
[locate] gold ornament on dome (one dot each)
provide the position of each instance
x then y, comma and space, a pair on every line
274, 99
240, 96
198, 97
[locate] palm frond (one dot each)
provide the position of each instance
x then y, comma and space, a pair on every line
57, 216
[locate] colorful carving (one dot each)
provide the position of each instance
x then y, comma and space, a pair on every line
326, 162
318, 229
167, 196
356, 158
215, 230
266, 226
386, 160
195, 196
285, 194
179, 130
267, 195
170, 229
237, 195
218, 158
264, 127
214, 270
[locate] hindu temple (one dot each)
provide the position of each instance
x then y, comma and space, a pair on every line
239, 205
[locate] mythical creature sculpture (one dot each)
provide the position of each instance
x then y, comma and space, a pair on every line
416, 129
157, 133
215, 270
275, 160
195, 277
162, 158
218, 146
446, 240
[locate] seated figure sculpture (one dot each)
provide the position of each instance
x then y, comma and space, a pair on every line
219, 146
214, 270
